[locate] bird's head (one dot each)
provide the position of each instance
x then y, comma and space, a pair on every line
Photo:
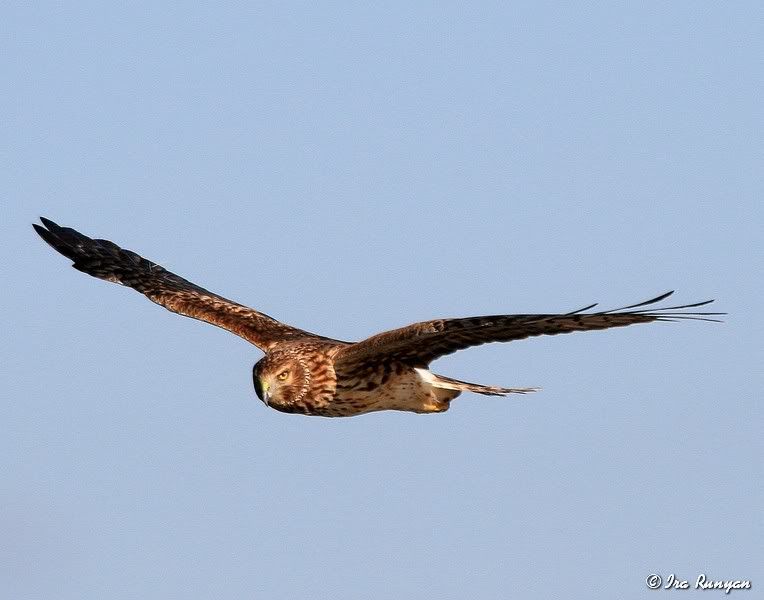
281, 381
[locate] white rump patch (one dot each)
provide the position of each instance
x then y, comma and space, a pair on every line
427, 376
433, 380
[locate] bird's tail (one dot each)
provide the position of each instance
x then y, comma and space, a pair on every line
447, 383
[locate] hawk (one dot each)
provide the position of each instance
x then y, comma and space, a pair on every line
310, 374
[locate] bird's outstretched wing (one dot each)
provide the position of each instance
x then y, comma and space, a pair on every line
106, 260
421, 343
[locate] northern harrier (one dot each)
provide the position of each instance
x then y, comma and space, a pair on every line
306, 373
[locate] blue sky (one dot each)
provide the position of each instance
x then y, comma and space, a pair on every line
349, 169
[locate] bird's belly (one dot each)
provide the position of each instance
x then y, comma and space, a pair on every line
406, 391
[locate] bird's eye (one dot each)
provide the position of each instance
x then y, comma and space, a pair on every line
283, 375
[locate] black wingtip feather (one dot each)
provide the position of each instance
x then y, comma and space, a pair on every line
46, 235
63, 240
645, 303
664, 313
48, 223
689, 317
693, 305
580, 310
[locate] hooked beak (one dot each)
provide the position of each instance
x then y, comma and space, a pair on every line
261, 389
266, 393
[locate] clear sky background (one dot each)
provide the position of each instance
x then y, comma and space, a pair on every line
349, 169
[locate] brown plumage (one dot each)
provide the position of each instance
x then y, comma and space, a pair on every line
306, 373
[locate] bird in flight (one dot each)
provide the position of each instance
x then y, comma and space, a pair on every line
310, 374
